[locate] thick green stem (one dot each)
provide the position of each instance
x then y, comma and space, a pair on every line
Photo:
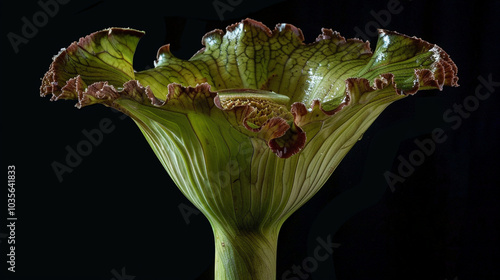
242, 255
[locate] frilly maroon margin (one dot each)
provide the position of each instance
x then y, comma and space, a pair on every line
285, 140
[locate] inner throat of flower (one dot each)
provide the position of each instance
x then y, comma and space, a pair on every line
258, 106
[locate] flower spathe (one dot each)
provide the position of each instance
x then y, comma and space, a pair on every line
254, 124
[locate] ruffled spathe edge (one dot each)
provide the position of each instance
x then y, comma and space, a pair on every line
284, 138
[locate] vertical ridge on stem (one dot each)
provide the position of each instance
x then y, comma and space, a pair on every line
245, 254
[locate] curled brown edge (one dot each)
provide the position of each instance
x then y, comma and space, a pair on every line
283, 138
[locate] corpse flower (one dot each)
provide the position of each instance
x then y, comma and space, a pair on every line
252, 125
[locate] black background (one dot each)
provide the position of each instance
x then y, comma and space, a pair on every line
119, 209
